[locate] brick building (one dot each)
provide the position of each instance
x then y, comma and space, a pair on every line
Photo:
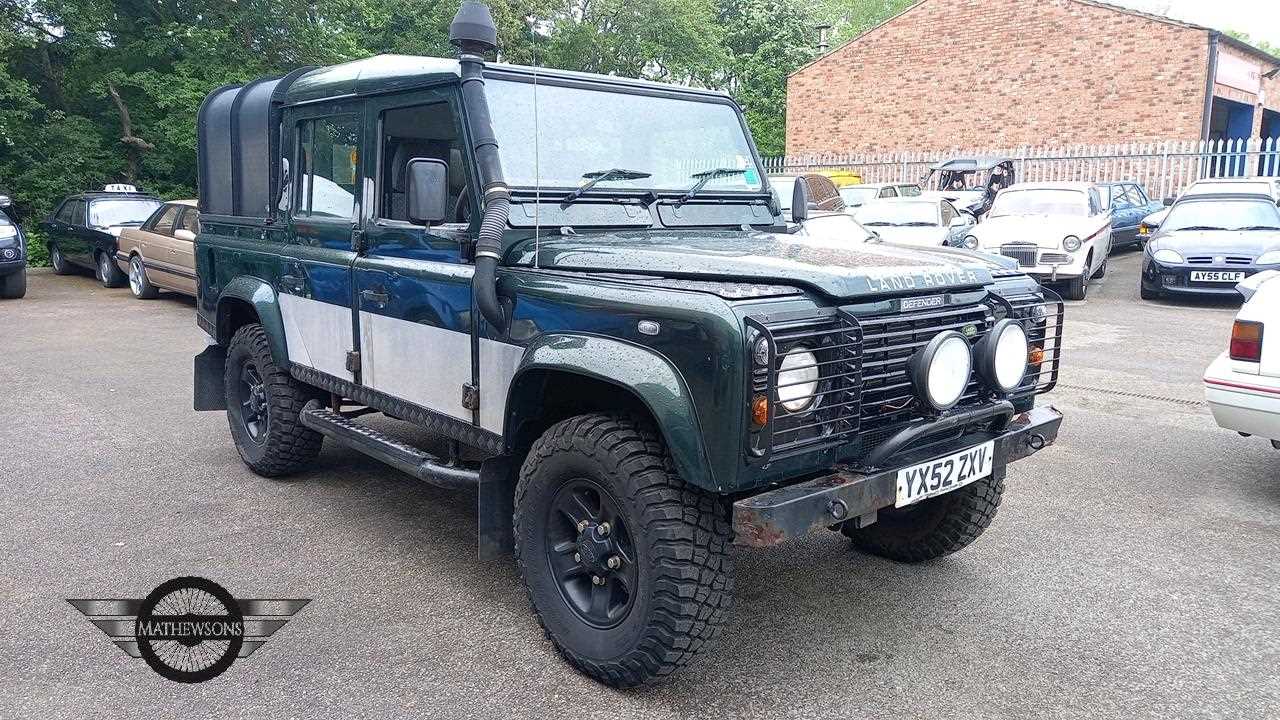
1008, 73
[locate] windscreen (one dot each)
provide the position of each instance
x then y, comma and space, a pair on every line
105, 213
1041, 202
583, 131
908, 214
856, 196
1223, 215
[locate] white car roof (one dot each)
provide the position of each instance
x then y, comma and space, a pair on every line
1079, 186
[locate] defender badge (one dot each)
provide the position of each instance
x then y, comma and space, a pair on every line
922, 303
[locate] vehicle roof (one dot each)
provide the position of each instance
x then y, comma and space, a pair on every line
980, 163
188, 203
391, 73
1066, 185
1110, 183
1219, 196
101, 194
930, 199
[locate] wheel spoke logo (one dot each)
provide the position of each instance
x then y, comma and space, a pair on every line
189, 629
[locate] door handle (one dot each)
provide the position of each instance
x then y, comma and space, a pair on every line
375, 297
291, 283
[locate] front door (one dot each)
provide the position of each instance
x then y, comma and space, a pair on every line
314, 280
413, 282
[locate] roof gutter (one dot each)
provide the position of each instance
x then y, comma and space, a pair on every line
1212, 76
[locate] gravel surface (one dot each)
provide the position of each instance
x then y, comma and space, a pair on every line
1131, 572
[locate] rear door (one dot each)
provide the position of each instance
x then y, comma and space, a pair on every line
183, 276
153, 243
314, 280
78, 244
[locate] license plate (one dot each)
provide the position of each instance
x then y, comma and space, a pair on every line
944, 474
1216, 276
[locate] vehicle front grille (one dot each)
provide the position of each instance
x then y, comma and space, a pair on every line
1024, 254
865, 392
1219, 260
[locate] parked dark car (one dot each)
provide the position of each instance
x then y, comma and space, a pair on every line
82, 232
1208, 244
1129, 205
13, 255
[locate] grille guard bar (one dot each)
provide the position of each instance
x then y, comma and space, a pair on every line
846, 495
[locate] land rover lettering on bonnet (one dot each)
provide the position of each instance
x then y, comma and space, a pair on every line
623, 346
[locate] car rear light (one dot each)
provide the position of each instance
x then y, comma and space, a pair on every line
1246, 341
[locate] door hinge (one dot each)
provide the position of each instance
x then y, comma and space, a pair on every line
470, 396
353, 361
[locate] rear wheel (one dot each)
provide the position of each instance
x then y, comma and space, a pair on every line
108, 272
933, 528
263, 403
14, 286
138, 282
59, 262
627, 566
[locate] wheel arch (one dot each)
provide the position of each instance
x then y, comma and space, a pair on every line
247, 300
566, 375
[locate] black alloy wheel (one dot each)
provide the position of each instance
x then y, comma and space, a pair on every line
255, 412
591, 554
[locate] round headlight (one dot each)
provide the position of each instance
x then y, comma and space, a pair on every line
1167, 256
1271, 257
971, 242
1071, 243
940, 370
798, 379
761, 352
1002, 356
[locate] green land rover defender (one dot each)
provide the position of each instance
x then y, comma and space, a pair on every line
585, 286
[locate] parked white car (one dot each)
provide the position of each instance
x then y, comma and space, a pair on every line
1058, 232
1213, 186
1242, 386
923, 222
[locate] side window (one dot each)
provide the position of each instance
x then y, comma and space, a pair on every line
909, 190
164, 223
328, 152
190, 221
1139, 195
77, 213
887, 193
431, 131
64, 212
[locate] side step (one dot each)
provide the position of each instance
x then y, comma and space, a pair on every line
403, 457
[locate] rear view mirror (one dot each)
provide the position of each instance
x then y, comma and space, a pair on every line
799, 201
184, 235
428, 190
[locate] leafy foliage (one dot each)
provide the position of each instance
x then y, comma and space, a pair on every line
97, 91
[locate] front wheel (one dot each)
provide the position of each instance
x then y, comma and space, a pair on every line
263, 404
627, 566
931, 528
1078, 288
138, 282
14, 286
108, 273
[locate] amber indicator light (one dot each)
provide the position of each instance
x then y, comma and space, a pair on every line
759, 411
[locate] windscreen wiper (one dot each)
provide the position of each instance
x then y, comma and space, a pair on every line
705, 177
1259, 227
1200, 228
598, 176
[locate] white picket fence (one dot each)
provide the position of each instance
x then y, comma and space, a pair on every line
1164, 168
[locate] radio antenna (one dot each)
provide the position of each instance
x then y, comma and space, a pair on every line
537, 157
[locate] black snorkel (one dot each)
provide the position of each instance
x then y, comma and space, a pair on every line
474, 34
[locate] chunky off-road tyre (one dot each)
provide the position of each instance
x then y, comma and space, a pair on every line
139, 285
13, 286
108, 272
263, 403
59, 261
1077, 288
932, 528
628, 568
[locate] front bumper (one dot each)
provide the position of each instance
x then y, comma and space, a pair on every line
1051, 264
850, 495
9, 267
1242, 402
1176, 279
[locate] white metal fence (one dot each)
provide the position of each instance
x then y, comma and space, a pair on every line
1164, 168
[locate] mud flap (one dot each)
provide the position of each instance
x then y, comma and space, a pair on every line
209, 368
495, 503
